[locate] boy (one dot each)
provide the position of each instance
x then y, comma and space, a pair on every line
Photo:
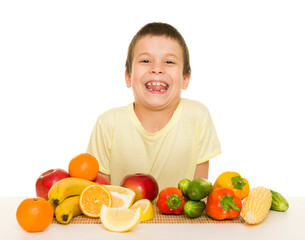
160, 133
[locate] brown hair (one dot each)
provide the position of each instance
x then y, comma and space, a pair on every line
159, 29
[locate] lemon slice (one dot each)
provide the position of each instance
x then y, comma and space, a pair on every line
120, 219
121, 196
147, 208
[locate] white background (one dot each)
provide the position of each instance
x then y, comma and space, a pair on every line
62, 65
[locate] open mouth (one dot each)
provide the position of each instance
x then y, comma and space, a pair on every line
157, 86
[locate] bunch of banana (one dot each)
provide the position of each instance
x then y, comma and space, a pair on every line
64, 198
67, 209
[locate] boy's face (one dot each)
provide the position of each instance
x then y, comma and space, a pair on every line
157, 73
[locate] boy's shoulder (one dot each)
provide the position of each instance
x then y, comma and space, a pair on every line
113, 113
193, 105
195, 112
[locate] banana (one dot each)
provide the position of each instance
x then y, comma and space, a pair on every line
67, 209
53, 206
67, 187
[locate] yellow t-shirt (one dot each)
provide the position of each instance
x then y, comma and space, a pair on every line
122, 146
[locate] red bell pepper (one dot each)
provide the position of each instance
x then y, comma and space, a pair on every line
170, 200
223, 204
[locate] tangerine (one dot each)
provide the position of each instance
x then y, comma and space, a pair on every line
84, 166
34, 214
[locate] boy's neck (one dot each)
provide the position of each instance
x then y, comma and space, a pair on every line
153, 120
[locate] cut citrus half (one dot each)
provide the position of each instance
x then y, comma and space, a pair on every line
120, 219
147, 208
92, 198
121, 196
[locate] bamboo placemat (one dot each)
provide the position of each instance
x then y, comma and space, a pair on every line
159, 218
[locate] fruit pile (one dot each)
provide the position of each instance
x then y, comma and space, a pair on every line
84, 190
229, 197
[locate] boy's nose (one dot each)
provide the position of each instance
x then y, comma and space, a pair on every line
156, 69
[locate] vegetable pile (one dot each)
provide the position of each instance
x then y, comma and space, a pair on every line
228, 198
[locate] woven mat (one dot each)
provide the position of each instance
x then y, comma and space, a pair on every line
159, 218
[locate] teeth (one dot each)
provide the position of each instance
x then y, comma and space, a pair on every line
156, 84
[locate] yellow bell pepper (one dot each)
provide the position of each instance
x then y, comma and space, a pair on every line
234, 181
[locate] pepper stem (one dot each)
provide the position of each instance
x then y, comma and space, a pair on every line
238, 182
174, 201
227, 203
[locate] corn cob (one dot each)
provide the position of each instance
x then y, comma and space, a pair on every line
256, 206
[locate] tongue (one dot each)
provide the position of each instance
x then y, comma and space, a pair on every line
157, 87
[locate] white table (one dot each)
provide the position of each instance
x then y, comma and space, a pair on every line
277, 225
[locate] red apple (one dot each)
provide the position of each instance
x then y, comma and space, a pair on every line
47, 180
144, 185
100, 179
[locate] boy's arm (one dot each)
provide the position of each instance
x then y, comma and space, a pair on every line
202, 170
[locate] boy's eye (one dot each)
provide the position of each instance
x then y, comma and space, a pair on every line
145, 61
169, 62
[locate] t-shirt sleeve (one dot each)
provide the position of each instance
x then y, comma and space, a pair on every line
100, 145
208, 143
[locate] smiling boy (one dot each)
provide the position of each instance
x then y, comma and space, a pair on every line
159, 133
157, 78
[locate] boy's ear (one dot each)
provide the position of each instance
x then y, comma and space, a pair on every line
127, 79
186, 81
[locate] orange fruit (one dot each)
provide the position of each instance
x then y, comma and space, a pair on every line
34, 214
93, 198
84, 166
